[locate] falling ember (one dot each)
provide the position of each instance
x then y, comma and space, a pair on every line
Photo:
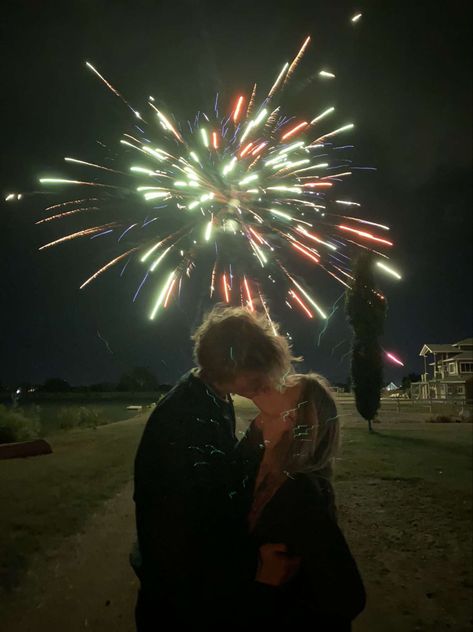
214, 140
364, 221
323, 115
299, 300
305, 252
267, 313
79, 233
169, 293
162, 295
334, 133
347, 203
356, 17
259, 148
258, 236
319, 185
205, 138
294, 130
394, 359
212, 280
296, 60
106, 267
225, 287
208, 230
109, 85
237, 111
278, 80
389, 270
245, 150
62, 181
362, 233
250, 302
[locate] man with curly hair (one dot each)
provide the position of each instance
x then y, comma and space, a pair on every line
187, 482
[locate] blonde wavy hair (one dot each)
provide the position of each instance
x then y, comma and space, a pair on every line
232, 340
309, 449
316, 435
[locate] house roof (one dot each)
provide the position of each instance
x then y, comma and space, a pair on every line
435, 348
465, 342
463, 355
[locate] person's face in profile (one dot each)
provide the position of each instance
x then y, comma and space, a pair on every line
249, 384
273, 403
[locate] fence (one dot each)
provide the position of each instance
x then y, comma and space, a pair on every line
450, 406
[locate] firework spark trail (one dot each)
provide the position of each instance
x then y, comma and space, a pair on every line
105, 342
278, 80
68, 213
394, 358
110, 87
107, 266
252, 173
80, 233
296, 61
335, 306
92, 164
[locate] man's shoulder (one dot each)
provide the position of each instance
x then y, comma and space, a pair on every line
182, 406
177, 396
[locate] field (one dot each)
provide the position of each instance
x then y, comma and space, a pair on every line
404, 495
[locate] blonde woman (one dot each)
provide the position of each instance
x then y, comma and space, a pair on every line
288, 453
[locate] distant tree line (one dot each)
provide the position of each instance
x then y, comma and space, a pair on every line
142, 379
138, 380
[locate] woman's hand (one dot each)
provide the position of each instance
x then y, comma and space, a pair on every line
275, 565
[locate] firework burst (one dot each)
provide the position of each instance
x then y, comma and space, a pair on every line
254, 188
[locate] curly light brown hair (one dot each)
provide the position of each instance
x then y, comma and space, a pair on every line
233, 340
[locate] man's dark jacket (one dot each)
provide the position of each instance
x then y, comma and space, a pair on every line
188, 514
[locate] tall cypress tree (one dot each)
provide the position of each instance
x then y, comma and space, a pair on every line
366, 312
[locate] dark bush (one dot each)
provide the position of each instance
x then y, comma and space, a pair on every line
73, 417
16, 426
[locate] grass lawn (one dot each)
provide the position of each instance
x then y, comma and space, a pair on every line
45, 498
405, 504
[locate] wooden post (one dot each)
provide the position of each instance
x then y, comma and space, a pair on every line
425, 380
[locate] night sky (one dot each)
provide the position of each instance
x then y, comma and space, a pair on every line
404, 78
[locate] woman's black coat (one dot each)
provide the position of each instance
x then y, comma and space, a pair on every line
327, 593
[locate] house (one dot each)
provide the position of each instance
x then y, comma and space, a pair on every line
452, 366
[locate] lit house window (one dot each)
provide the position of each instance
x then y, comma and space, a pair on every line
466, 367
452, 367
